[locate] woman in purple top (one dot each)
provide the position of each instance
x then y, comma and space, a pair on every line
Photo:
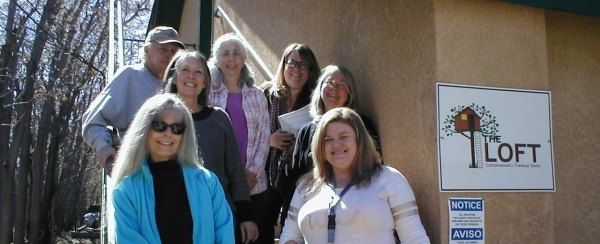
236, 113
233, 89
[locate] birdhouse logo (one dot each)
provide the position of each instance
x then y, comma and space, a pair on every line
475, 123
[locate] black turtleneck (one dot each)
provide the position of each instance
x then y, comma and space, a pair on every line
173, 214
203, 113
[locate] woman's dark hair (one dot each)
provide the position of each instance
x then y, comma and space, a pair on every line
278, 87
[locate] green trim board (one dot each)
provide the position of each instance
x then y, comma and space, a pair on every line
167, 13
206, 23
590, 7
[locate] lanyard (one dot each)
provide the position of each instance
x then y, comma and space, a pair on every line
331, 213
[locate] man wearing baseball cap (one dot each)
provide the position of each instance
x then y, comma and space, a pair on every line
131, 85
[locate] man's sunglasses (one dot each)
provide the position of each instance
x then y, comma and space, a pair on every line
176, 129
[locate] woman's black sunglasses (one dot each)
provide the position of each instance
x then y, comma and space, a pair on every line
176, 129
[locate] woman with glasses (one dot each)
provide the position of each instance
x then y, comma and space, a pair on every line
349, 196
290, 90
233, 90
162, 192
189, 78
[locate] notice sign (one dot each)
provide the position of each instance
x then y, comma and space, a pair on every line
494, 139
467, 223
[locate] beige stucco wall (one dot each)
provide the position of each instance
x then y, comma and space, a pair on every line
574, 78
189, 25
398, 50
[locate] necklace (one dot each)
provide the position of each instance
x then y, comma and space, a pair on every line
341, 180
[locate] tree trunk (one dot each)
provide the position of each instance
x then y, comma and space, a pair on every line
57, 134
7, 167
32, 67
21, 196
63, 194
60, 124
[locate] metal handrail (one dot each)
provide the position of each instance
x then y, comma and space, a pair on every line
262, 67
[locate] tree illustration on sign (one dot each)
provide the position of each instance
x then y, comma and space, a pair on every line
473, 122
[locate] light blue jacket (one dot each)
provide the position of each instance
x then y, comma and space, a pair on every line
133, 199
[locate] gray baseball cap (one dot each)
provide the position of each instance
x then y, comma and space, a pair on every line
162, 35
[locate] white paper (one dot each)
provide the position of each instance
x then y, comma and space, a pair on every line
292, 122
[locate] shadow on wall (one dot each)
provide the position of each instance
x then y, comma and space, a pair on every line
390, 48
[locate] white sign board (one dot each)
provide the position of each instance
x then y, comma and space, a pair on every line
494, 139
467, 221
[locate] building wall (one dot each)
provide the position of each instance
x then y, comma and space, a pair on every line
398, 49
189, 27
574, 78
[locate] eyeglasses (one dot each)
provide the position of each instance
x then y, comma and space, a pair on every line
293, 64
336, 85
176, 129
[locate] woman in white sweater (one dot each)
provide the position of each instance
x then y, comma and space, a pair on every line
350, 197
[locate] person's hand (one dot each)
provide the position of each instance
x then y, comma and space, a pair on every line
249, 231
281, 140
104, 154
251, 178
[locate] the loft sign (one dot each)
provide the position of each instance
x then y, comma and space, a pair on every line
494, 139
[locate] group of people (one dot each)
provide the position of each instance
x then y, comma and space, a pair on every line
202, 148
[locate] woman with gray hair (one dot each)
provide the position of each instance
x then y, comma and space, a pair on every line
159, 179
233, 90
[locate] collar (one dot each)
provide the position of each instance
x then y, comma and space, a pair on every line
204, 113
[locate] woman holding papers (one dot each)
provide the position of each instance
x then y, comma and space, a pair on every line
289, 91
335, 88
233, 89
